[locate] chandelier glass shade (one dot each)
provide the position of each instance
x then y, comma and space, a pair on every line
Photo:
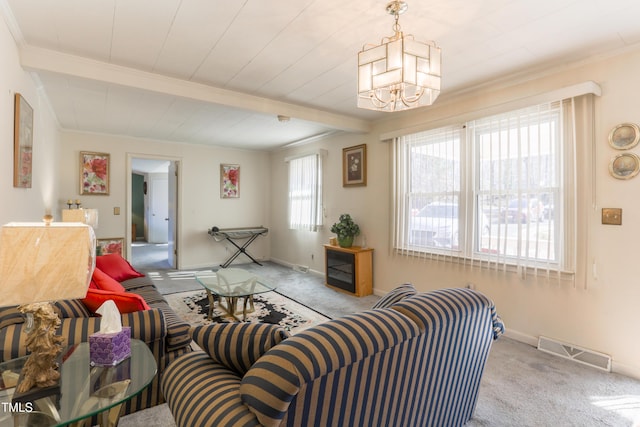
400, 73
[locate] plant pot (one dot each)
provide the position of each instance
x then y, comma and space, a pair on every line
345, 242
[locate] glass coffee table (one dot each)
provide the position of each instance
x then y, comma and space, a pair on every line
230, 285
85, 390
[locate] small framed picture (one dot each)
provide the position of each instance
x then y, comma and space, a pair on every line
22, 143
112, 245
229, 181
624, 166
94, 173
354, 166
624, 136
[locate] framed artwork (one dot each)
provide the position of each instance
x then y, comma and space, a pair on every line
354, 166
624, 166
22, 143
624, 136
94, 173
110, 246
229, 181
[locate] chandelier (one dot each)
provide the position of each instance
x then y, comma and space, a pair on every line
400, 73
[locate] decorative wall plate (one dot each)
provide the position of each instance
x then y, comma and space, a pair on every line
624, 136
624, 166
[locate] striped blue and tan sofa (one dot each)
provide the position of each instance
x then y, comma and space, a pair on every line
160, 328
415, 359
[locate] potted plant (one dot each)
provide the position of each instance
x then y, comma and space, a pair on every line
346, 230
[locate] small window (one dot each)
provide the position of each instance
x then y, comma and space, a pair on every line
305, 192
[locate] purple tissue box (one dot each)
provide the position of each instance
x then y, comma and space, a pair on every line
110, 349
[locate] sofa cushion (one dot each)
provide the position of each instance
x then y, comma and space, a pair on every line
105, 282
150, 295
126, 302
10, 316
69, 308
137, 283
396, 295
237, 346
116, 267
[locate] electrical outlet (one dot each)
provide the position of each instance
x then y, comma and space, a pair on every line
116, 210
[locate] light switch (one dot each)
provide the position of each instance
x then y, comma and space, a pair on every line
116, 210
612, 216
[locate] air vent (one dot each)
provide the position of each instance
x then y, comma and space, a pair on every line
577, 354
301, 268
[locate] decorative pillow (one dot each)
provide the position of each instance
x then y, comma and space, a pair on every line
237, 346
396, 295
126, 302
116, 267
105, 282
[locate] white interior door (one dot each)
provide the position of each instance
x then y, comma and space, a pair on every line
159, 212
172, 254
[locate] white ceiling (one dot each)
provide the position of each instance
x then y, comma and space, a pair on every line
219, 72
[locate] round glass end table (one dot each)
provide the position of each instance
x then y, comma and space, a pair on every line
84, 390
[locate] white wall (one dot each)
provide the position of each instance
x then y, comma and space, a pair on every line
24, 204
199, 199
599, 315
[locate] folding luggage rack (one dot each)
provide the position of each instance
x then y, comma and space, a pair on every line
233, 234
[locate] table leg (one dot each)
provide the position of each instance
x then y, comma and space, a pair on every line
110, 417
212, 301
231, 307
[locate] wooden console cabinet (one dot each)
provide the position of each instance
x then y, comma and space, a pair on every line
349, 269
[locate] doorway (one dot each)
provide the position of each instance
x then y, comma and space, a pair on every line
153, 194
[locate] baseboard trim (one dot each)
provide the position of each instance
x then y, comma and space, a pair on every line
520, 337
626, 370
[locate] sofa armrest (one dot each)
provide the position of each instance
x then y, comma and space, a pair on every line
146, 325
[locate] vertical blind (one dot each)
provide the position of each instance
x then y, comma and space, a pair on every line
519, 188
497, 192
305, 192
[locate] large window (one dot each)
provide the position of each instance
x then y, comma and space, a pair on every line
492, 189
305, 192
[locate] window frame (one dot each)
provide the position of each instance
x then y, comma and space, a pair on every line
470, 192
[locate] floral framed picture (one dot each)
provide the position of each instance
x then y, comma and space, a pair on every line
94, 173
354, 166
229, 181
22, 143
108, 246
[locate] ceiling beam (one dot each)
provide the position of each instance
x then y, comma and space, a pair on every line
39, 59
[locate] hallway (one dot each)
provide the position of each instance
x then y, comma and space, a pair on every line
149, 256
